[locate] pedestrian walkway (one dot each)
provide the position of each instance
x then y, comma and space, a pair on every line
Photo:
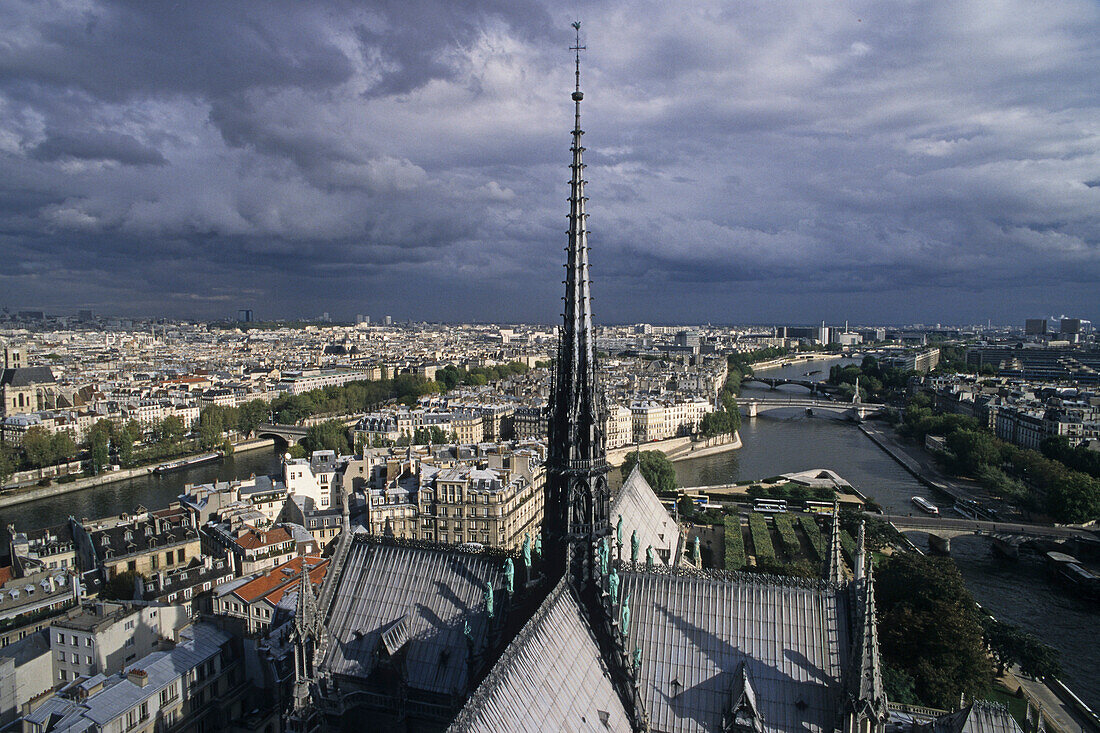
1059, 715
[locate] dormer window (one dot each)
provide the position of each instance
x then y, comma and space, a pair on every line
105, 541
128, 536
148, 531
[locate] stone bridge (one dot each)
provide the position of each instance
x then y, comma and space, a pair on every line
1007, 537
291, 434
856, 411
775, 382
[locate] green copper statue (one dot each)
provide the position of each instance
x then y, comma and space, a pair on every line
619, 531
538, 545
625, 616
467, 631
527, 553
634, 547
613, 586
489, 598
602, 550
509, 576
637, 659
649, 560
696, 553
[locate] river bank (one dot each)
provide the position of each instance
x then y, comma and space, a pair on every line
34, 493
679, 449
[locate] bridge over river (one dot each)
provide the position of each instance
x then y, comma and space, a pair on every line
857, 411
1007, 536
291, 434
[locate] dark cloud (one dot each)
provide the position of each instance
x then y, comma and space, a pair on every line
93, 145
746, 162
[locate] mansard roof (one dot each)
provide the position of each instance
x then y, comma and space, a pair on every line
551, 677
695, 631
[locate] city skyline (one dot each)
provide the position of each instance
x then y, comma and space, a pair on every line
751, 164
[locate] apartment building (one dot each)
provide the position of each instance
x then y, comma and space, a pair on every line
254, 599
103, 637
195, 685
142, 543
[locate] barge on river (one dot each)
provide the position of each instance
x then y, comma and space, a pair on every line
187, 462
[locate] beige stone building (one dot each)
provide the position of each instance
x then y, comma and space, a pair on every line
25, 389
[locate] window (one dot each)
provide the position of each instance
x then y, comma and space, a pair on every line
61, 656
180, 555
60, 638
76, 642
88, 642
63, 675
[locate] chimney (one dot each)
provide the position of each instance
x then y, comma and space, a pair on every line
138, 676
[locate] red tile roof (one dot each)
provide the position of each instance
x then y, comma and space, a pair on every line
282, 578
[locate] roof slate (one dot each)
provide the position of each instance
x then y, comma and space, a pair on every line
697, 630
435, 590
551, 677
641, 510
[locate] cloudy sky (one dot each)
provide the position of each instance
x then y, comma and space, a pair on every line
760, 161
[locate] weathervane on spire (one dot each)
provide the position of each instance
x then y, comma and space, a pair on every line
577, 95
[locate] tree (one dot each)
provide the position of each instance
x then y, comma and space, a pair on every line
38, 446
251, 415
931, 628
974, 449
63, 446
331, 435
211, 427
1010, 645
120, 587
1074, 498
899, 684
656, 469
8, 463
169, 431
99, 449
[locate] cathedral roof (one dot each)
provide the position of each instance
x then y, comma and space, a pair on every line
551, 677
26, 376
696, 630
979, 717
434, 592
643, 512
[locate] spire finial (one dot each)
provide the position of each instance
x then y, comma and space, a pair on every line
577, 48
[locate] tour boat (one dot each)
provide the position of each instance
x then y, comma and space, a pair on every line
925, 505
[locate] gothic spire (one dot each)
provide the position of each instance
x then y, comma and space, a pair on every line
578, 501
866, 692
834, 564
861, 550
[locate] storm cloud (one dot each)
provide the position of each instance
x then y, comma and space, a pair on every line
763, 161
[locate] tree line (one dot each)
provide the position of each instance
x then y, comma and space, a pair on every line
1024, 476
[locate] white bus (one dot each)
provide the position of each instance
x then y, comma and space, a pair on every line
770, 506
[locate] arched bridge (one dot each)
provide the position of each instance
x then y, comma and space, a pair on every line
815, 387
292, 434
1007, 536
851, 410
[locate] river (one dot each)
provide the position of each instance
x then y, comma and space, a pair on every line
1019, 593
781, 442
152, 492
